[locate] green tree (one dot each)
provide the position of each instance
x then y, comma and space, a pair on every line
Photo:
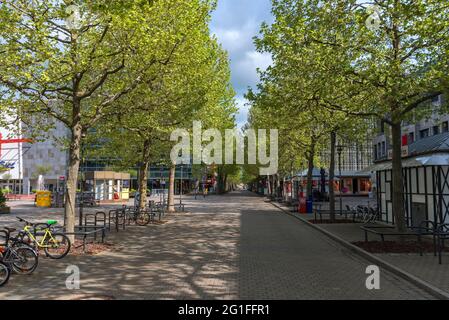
394, 69
193, 86
329, 54
77, 73
2, 199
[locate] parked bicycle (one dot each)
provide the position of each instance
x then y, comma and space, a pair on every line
367, 214
139, 217
4, 274
17, 255
43, 236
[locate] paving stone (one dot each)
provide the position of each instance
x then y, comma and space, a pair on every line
228, 247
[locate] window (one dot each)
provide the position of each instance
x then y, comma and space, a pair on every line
411, 137
384, 149
445, 126
424, 133
375, 153
365, 185
436, 130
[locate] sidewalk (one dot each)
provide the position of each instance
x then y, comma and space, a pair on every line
425, 268
234, 246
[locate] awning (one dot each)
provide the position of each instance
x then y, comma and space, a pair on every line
438, 159
344, 174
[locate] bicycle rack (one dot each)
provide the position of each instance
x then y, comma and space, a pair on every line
95, 221
118, 218
100, 217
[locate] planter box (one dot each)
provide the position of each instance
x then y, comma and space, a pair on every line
5, 210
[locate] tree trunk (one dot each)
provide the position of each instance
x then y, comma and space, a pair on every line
143, 183
171, 189
143, 174
332, 177
220, 180
72, 180
278, 186
398, 189
269, 185
310, 172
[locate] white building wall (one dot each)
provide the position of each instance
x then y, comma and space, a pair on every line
12, 153
49, 153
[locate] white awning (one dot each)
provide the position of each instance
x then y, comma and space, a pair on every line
438, 159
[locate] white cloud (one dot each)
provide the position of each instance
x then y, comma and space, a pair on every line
235, 23
260, 60
242, 115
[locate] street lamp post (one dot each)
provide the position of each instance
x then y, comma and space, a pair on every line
204, 181
340, 149
180, 193
162, 196
81, 205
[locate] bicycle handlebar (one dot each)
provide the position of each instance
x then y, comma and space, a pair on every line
26, 222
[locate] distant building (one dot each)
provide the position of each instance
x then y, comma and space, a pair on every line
352, 158
47, 158
355, 156
412, 131
12, 153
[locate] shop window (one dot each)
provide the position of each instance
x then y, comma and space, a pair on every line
424, 133
365, 185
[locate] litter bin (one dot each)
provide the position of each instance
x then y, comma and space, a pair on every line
43, 199
309, 206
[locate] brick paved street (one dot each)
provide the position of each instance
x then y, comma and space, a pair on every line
228, 247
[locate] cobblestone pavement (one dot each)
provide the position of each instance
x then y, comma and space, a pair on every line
227, 247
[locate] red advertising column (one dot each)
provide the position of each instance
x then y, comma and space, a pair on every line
302, 203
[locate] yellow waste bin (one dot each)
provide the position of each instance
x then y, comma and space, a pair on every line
43, 199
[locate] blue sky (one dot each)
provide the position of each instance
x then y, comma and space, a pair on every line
236, 22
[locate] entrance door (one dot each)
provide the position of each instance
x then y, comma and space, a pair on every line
355, 186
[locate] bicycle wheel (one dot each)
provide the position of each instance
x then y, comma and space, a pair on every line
4, 274
143, 219
24, 260
24, 239
58, 246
